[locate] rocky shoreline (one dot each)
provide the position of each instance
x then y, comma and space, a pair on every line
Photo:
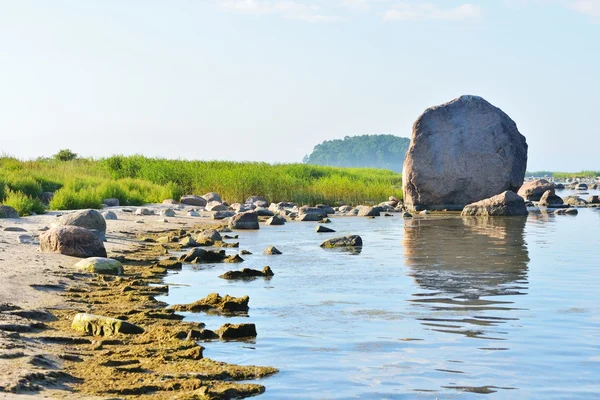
42, 352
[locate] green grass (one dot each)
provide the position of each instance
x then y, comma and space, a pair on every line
24, 204
135, 180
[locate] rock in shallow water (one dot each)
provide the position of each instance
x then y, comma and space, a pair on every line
345, 241
535, 189
245, 220
505, 204
462, 152
248, 273
272, 250
215, 302
236, 331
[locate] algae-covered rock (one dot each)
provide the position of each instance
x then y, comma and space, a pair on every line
272, 250
248, 273
209, 234
236, 331
170, 264
214, 302
188, 242
72, 241
345, 241
100, 265
97, 325
198, 255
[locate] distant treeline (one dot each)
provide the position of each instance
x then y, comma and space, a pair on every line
563, 175
369, 151
83, 183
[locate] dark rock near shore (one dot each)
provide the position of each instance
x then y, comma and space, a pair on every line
345, 241
575, 201
247, 273
505, 204
462, 152
236, 331
245, 220
214, 302
313, 214
323, 229
198, 255
72, 241
170, 264
111, 202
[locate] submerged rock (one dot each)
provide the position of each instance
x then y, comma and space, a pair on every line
100, 265
72, 241
91, 220
236, 331
323, 229
272, 250
198, 255
345, 241
97, 325
214, 302
462, 152
505, 204
247, 273
170, 264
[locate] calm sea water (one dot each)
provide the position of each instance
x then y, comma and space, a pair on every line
433, 307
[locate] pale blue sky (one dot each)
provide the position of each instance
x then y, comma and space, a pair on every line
267, 79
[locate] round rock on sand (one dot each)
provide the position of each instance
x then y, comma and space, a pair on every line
462, 152
72, 241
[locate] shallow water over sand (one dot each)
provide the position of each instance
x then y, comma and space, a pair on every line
435, 307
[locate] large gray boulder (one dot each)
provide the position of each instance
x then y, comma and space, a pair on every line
212, 196
535, 189
72, 241
462, 152
192, 200
245, 220
91, 220
503, 205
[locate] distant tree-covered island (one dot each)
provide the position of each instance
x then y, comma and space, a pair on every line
369, 151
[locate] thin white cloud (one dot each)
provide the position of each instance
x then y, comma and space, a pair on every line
290, 9
588, 7
429, 11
